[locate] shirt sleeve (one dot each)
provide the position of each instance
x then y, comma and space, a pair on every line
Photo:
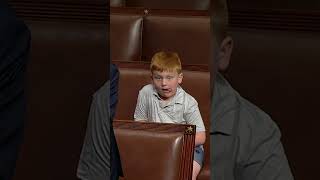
192, 115
140, 112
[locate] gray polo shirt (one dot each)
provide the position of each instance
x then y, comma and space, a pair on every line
182, 108
245, 142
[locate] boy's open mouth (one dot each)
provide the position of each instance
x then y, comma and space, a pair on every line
167, 90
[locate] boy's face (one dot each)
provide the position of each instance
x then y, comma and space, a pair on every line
166, 83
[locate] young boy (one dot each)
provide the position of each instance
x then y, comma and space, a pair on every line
166, 102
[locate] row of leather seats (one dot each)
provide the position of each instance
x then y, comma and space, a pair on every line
276, 69
163, 4
137, 33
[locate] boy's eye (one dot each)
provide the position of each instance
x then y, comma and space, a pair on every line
157, 77
160, 78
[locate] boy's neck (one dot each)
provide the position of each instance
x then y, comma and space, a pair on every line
166, 100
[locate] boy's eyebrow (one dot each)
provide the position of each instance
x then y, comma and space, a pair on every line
173, 74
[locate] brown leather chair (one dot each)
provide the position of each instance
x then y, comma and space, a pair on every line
126, 36
135, 75
188, 35
137, 34
168, 4
117, 3
155, 151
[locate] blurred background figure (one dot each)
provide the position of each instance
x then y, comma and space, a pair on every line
14, 49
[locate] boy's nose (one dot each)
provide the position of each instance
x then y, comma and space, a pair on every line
164, 82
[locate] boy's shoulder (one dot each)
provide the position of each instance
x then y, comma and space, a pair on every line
147, 89
188, 99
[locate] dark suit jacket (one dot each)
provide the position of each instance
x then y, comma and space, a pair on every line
99, 158
14, 48
116, 169
114, 80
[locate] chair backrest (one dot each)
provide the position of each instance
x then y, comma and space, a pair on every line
188, 35
137, 34
126, 36
155, 151
168, 4
117, 3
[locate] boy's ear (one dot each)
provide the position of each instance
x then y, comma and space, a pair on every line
180, 78
225, 53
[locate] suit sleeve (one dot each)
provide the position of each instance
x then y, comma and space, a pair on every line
116, 169
114, 80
